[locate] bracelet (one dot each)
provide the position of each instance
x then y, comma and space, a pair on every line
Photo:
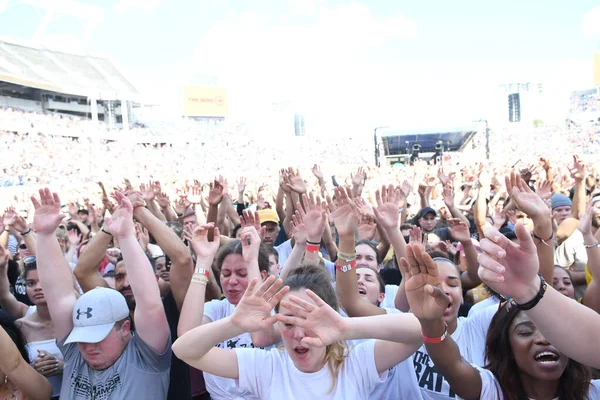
589, 246
348, 257
6, 230
312, 248
313, 243
179, 215
202, 279
29, 231
346, 267
203, 271
103, 230
440, 339
542, 240
533, 302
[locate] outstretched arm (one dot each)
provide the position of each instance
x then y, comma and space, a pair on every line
31, 384
150, 320
173, 246
86, 270
8, 302
53, 270
428, 303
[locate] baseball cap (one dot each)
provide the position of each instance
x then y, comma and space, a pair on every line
426, 210
268, 215
95, 314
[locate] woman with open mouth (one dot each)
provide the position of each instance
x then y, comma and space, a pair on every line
521, 363
315, 362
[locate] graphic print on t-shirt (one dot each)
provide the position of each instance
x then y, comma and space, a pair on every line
428, 376
82, 386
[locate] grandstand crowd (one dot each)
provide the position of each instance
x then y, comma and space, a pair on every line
219, 266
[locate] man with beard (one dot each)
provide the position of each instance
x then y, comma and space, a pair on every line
102, 357
180, 275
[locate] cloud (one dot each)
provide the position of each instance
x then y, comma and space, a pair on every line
287, 53
591, 23
304, 7
125, 6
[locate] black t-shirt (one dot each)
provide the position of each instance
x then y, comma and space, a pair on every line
179, 381
17, 283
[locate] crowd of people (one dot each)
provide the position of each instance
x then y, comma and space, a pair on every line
211, 269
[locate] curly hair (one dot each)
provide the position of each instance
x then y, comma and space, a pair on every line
574, 382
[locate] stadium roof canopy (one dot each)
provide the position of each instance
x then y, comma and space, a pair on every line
453, 139
82, 75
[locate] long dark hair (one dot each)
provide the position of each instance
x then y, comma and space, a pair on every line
8, 324
574, 382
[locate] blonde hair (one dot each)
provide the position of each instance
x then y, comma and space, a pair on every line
318, 280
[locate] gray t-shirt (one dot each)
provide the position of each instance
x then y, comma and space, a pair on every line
140, 373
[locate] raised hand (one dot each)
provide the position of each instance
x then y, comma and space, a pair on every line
585, 219
508, 268
194, 195
73, 209
47, 212
406, 188
422, 189
326, 323
448, 196
252, 312
444, 179
577, 169
314, 218
298, 229
294, 182
142, 235
20, 224
250, 244
417, 238
250, 218
241, 184
215, 195
120, 224
203, 248
344, 211
366, 227
526, 200
359, 178
317, 172
163, 200
8, 217
182, 205
73, 237
544, 189
135, 198
459, 230
422, 284
148, 191
389, 201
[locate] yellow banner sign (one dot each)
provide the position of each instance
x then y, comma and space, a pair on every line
204, 101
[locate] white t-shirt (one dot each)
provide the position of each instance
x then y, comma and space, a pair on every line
490, 387
285, 249
470, 337
483, 304
390, 296
223, 388
273, 375
401, 384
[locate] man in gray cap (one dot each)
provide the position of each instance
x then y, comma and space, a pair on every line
561, 207
103, 359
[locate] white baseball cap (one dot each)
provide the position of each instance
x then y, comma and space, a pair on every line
95, 314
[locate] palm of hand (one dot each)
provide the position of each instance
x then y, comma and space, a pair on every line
203, 248
8, 218
345, 219
47, 218
317, 173
367, 231
251, 313
324, 322
297, 184
422, 305
530, 203
163, 202
357, 179
461, 233
314, 223
388, 215
214, 196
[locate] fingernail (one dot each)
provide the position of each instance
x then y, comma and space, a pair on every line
500, 278
500, 269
